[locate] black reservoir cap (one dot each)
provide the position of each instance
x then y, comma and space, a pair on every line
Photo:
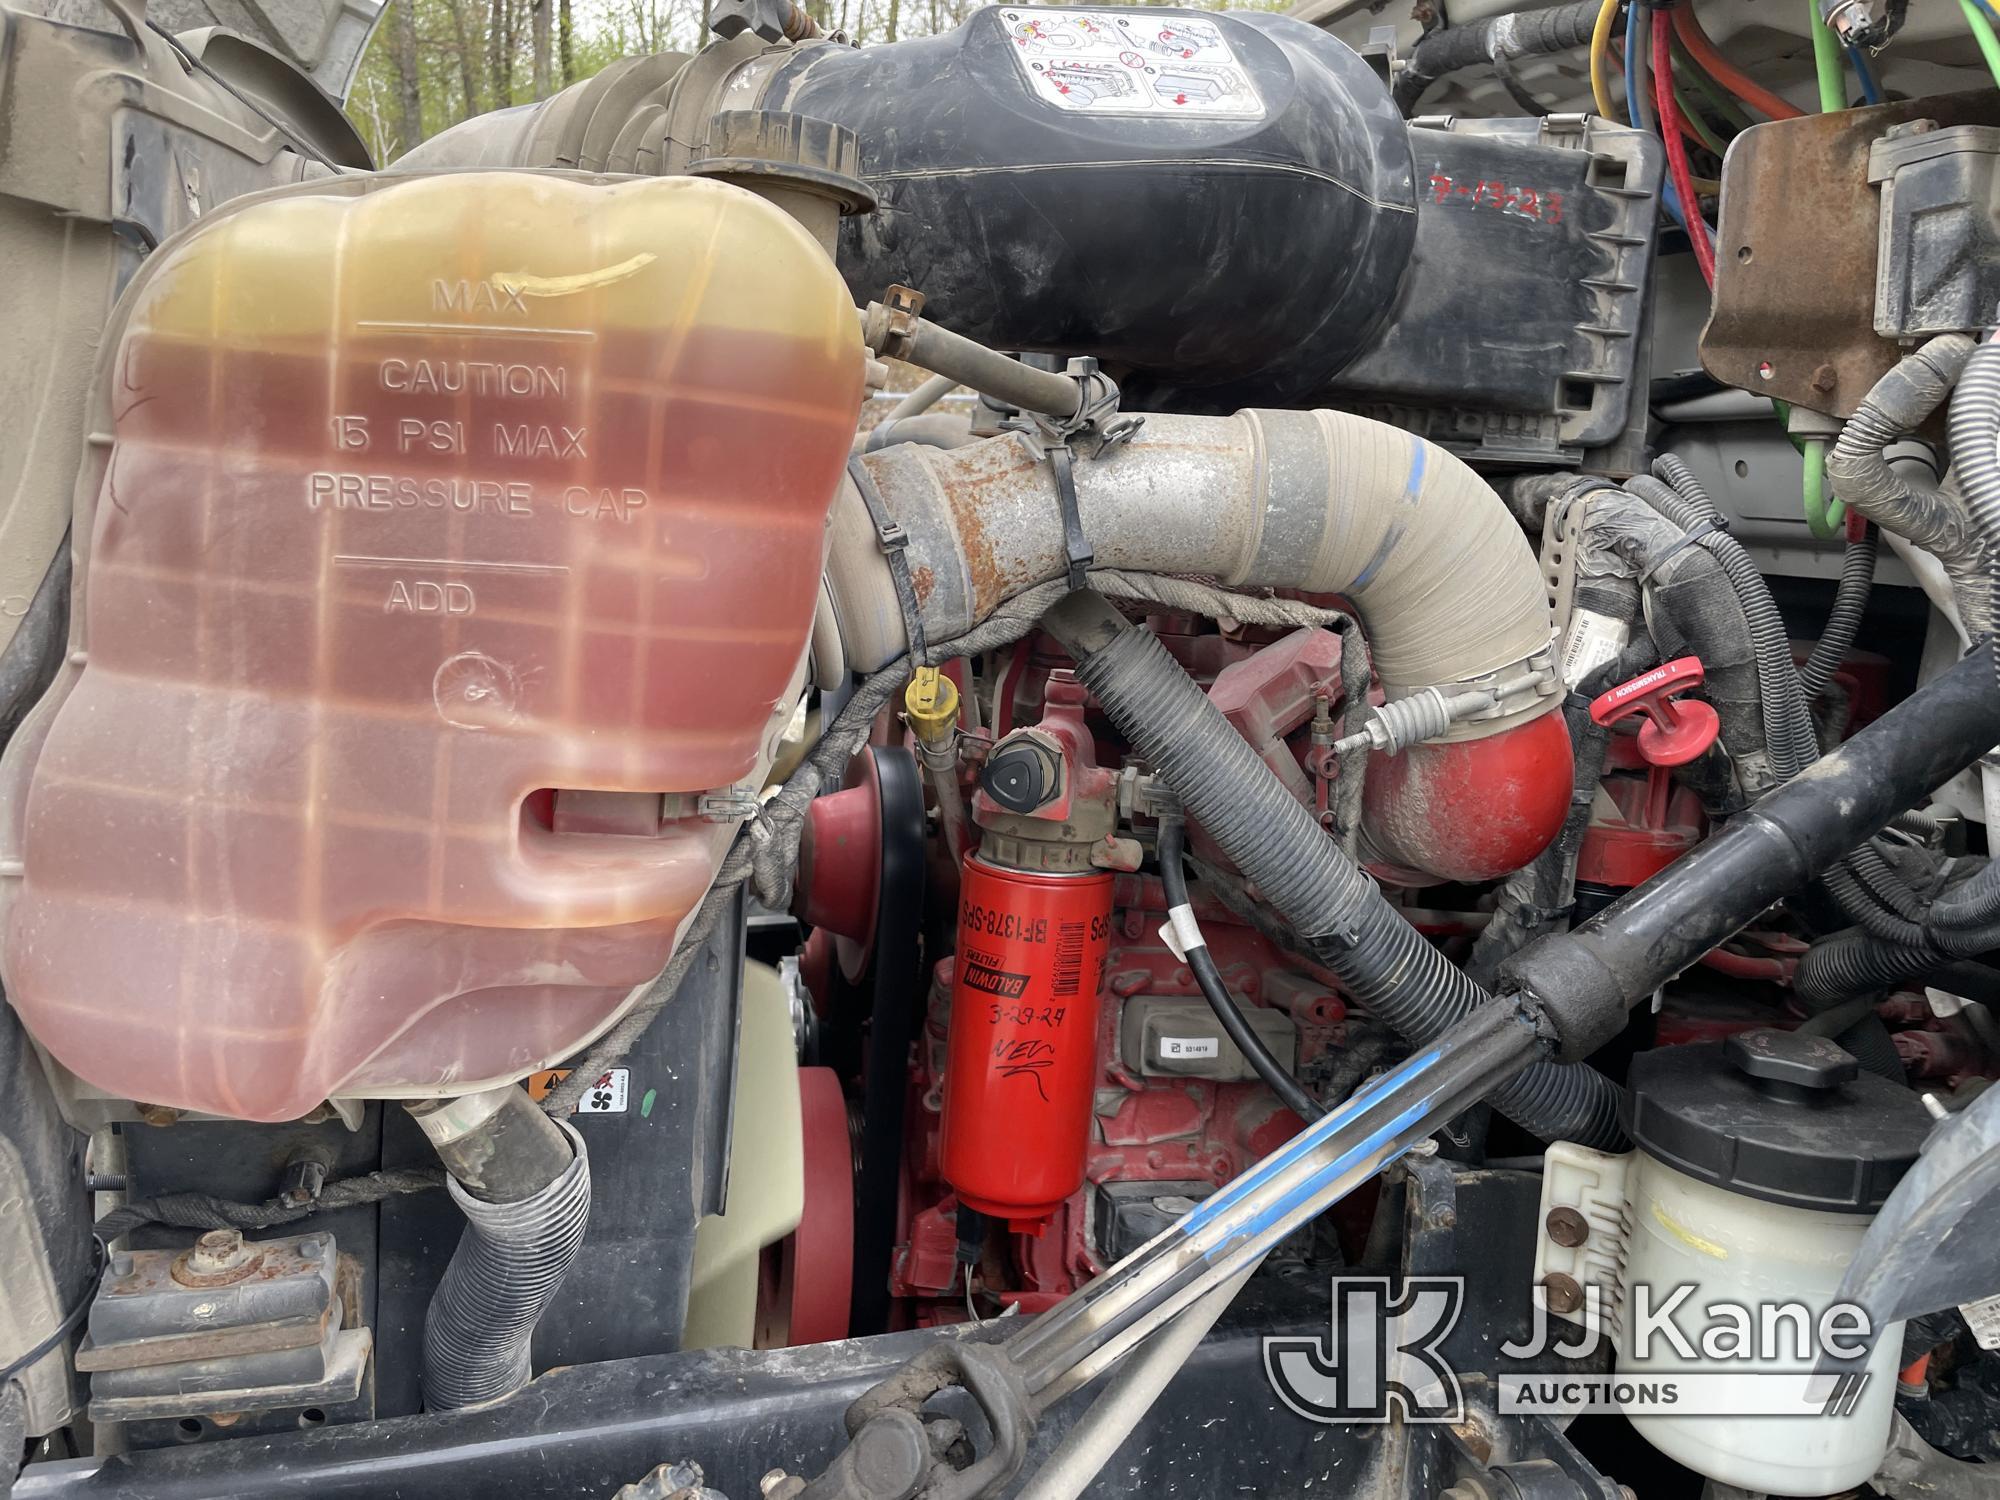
1776, 1115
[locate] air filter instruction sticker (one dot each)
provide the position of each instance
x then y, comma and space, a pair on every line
1137, 62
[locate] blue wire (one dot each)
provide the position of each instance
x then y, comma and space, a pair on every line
1871, 91
1668, 198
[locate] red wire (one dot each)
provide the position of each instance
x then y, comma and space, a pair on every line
1674, 126
1688, 27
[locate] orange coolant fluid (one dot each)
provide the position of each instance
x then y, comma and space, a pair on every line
426, 500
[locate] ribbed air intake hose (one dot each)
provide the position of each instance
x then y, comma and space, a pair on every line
509, 1263
1381, 960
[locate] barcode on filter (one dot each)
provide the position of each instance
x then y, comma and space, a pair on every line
1069, 959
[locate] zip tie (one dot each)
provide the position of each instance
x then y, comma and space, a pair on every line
1688, 539
894, 542
1077, 550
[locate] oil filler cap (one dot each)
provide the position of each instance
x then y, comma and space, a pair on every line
1777, 1116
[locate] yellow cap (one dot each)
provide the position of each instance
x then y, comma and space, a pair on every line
931, 704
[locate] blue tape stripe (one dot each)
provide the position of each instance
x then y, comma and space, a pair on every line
1305, 1142
1320, 1180
1412, 486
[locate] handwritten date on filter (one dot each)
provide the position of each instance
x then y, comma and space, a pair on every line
1522, 202
1025, 1015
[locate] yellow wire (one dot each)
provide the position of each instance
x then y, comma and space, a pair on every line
1600, 52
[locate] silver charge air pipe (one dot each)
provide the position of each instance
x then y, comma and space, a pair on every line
1447, 587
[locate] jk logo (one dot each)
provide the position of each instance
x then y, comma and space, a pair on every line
1379, 1359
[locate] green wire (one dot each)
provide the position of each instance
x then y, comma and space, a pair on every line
1696, 123
1826, 63
1982, 32
1686, 67
1825, 514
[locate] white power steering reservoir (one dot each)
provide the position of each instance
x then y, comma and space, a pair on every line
1712, 1254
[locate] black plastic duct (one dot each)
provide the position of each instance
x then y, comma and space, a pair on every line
1044, 190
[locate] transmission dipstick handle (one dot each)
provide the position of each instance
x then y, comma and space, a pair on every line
1676, 730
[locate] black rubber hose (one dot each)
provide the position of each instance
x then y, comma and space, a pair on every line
1855, 962
1583, 981
1843, 621
1855, 1025
1794, 742
1788, 727
1898, 404
510, 1262
1695, 612
1382, 961
1560, 28
1291, 1093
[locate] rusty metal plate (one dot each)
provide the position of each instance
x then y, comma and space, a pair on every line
1795, 252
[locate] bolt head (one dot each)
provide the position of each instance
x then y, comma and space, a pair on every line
1567, 1227
1563, 1293
216, 1249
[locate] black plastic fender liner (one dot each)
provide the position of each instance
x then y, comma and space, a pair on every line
1161, 237
1585, 980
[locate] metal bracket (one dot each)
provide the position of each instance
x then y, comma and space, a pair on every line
902, 309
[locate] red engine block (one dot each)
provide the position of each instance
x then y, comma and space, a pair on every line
1171, 1131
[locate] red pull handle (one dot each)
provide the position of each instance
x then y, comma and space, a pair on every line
1676, 730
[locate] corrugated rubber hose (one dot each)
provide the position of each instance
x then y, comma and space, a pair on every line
1843, 621
508, 1265
1381, 960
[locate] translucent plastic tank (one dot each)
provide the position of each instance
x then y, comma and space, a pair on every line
425, 498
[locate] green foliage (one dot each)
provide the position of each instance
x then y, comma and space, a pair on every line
433, 63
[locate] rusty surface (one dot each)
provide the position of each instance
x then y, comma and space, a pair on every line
218, 1258
214, 1343
1795, 254
151, 1276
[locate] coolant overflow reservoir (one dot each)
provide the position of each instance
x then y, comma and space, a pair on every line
429, 503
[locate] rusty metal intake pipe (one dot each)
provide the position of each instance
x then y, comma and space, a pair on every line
1439, 571
1446, 585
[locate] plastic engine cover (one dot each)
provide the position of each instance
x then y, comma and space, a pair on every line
424, 499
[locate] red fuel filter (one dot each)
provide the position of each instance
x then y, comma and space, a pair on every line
1022, 1065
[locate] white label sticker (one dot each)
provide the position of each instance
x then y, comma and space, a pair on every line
1137, 62
1593, 640
1983, 1318
1190, 1046
607, 1096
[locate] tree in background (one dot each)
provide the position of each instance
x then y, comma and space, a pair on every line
433, 63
